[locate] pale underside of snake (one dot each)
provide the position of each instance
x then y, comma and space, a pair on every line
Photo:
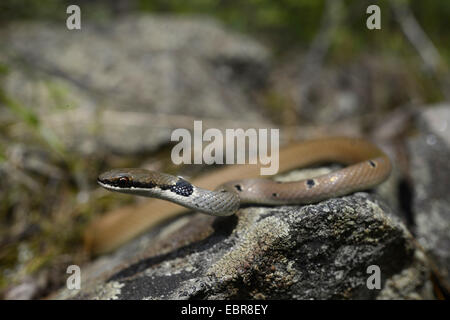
365, 167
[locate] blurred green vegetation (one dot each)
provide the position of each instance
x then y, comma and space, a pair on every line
46, 195
285, 22
11, 10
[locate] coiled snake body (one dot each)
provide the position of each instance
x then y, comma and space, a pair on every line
367, 166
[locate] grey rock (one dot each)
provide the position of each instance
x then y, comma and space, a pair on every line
24, 291
430, 170
411, 283
319, 251
125, 85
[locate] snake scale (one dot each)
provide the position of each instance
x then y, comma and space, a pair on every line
365, 167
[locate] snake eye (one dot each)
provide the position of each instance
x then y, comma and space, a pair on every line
123, 182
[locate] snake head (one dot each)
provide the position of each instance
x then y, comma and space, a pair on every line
159, 185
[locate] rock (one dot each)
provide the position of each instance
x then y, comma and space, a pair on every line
319, 251
24, 291
125, 87
430, 171
411, 283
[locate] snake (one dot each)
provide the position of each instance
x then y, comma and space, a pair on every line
366, 167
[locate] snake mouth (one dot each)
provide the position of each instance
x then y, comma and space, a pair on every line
122, 183
107, 185
123, 180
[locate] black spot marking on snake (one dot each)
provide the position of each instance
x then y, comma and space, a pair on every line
373, 164
238, 187
275, 195
310, 183
183, 188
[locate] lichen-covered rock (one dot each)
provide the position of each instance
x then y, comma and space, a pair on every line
125, 86
319, 251
430, 171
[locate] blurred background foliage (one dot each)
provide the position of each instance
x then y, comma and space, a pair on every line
285, 26
286, 23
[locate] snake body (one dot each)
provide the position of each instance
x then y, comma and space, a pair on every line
366, 167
